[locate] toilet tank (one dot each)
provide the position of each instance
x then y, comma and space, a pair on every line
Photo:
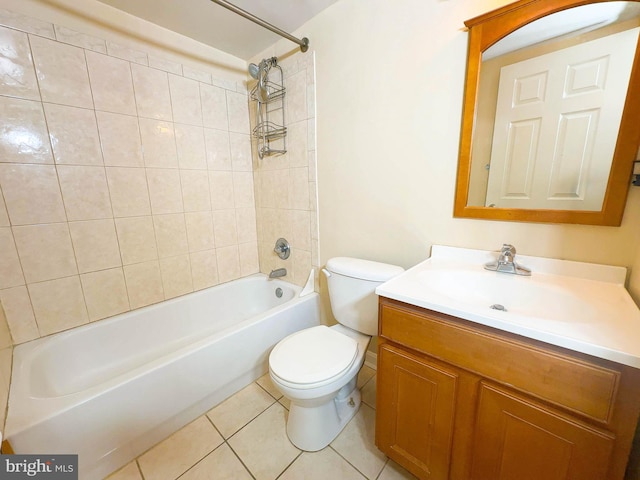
352, 283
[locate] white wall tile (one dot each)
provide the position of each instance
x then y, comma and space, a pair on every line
4, 216
190, 147
151, 88
19, 312
136, 237
214, 107
225, 228
171, 234
32, 194
196, 74
166, 65
158, 143
240, 146
88, 42
9, 262
199, 231
204, 269
144, 283
84, 192
243, 189
105, 293
95, 245
120, 140
58, 304
228, 261
221, 188
26, 24
111, 84
164, 190
218, 149
176, 276
185, 100
238, 106
246, 224
45, 251
74, 135
24, 136
17, 74
128, 191
126, 53
195, 190
62, 73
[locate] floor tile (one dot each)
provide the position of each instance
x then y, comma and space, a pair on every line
238, 410
364, 375
322, 465
266, 383
221, 464
128, 472
263, 444
356, 443
176, 454
369, 393
393, 471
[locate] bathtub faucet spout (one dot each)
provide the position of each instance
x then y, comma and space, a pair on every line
278, 272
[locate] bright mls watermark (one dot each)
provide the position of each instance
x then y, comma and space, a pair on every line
50, 467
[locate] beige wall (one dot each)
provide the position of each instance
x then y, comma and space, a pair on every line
125, 178
389, 85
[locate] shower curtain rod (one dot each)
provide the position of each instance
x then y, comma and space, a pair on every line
304, 43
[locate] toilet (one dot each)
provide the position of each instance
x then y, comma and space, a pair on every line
317, 368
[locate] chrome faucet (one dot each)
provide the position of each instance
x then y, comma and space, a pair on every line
278, 272
506, 262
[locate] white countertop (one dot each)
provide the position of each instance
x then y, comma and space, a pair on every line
580, 306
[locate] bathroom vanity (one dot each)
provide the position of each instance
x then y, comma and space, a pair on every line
466, 391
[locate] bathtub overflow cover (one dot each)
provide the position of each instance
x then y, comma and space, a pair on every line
278, 292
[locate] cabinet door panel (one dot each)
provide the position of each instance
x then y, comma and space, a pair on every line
517, 439
416, 403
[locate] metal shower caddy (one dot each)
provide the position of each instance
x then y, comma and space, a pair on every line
269, 95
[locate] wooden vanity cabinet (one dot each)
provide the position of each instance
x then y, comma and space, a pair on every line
457, 400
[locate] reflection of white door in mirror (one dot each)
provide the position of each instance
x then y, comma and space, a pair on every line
575, 95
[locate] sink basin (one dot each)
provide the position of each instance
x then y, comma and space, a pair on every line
580, 306
526, 296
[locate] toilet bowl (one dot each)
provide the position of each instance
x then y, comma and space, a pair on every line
317, 368
322, 400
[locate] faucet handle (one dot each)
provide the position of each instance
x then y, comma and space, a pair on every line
508, 248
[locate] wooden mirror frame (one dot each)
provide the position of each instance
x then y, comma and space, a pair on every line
484, 31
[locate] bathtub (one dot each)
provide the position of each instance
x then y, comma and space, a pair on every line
109, 390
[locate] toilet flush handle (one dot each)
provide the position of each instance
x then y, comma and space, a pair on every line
326, 272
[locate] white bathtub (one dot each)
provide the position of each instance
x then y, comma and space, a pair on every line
110, 390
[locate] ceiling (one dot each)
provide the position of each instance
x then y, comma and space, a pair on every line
220, 28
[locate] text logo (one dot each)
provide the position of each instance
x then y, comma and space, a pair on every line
50, 467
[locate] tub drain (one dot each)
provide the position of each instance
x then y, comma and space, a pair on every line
497, 306
278, 292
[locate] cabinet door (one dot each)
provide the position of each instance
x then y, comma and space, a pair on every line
415, 412
518, 439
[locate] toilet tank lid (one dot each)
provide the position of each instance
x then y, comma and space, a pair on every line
363, 269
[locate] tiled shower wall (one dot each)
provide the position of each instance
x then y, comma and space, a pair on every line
286, 193
124, 179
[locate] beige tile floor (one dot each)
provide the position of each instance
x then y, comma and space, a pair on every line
244, 438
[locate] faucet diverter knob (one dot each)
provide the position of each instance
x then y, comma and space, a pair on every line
282, 248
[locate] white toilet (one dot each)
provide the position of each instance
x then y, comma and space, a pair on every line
316, 368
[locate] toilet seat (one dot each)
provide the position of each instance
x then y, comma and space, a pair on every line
313, 356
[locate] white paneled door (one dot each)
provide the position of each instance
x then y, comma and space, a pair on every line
557, 124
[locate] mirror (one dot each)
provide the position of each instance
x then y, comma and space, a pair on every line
551, 108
